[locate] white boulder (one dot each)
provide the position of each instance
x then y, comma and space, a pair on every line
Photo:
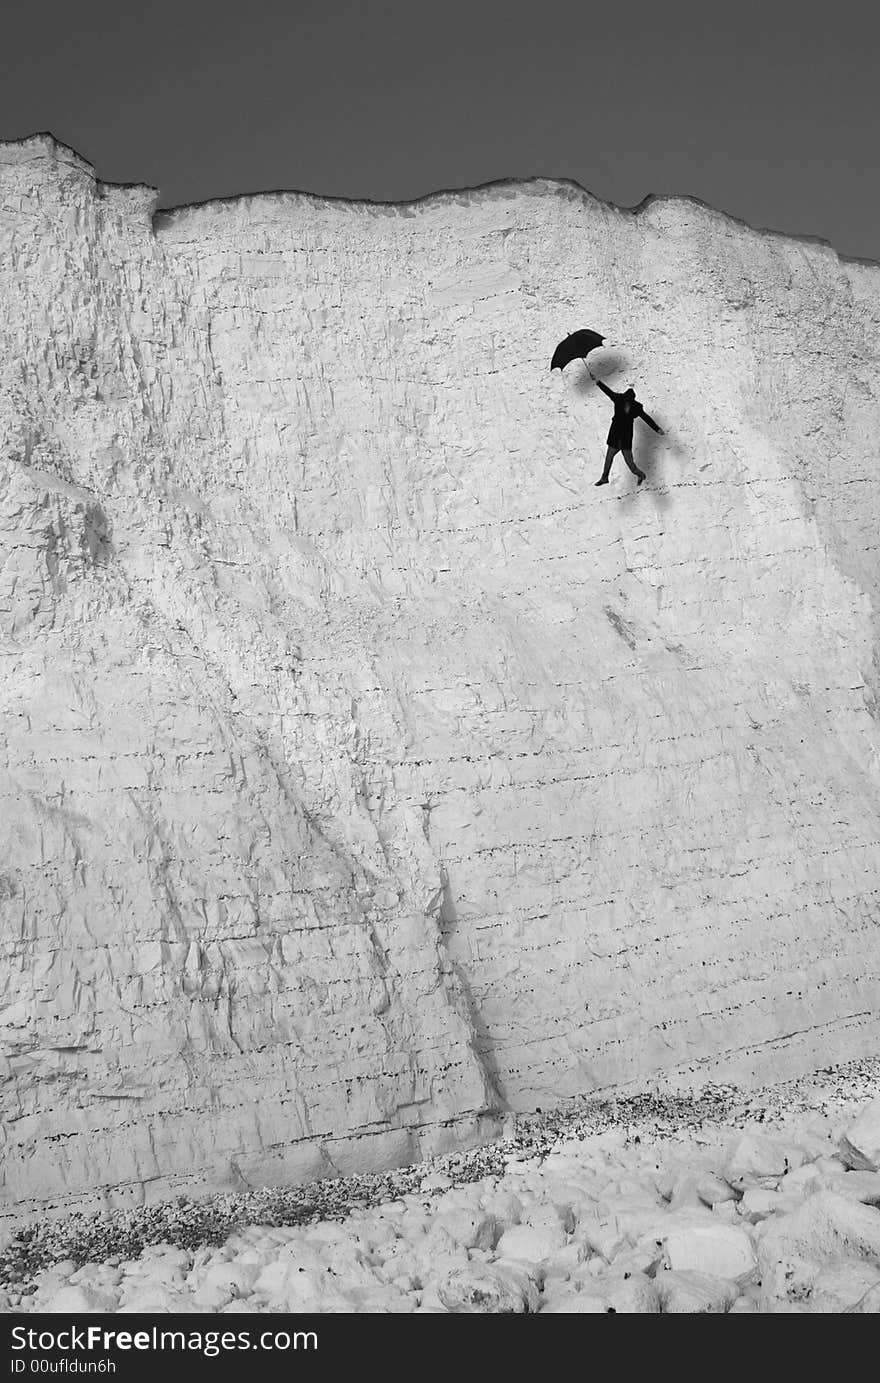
758, 1202
694, 1293
827, 1225
859, 1186
576, 1303
755, 1159
793, 1249
719, 1250
152, 1299
601, 1236
841, 1286
631, 1294
486, 1290
714, 1190
531, 1243
472, 1229
860, 1145
211, 1297
504, 1205
80, 1300
238, 1278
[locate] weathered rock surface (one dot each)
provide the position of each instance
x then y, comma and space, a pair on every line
361, 769
795, 1251
861, 1143
756, 1160
868, 1305
483, 1290
690, 1292
720, 1250
531, 1244
820, 1257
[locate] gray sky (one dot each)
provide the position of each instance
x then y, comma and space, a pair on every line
767, 109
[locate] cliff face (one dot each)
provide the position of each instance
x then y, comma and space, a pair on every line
363, 769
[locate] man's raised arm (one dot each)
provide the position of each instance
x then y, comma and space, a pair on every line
604, 387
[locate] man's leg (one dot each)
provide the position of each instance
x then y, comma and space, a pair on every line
609, 457
628, 458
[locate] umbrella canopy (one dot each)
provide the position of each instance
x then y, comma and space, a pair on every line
575, 347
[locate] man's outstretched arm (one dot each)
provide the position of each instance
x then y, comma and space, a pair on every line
650, 421
604, 387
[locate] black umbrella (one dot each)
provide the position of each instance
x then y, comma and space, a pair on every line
575, 347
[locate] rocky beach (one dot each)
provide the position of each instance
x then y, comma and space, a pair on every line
719, 1201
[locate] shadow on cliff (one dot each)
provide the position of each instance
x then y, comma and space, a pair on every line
447, 921
610, 364
648, 452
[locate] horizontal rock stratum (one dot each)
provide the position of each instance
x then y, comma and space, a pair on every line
364, 770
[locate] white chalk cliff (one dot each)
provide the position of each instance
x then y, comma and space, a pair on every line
364, 771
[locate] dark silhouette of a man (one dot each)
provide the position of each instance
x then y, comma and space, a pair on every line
620, 435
